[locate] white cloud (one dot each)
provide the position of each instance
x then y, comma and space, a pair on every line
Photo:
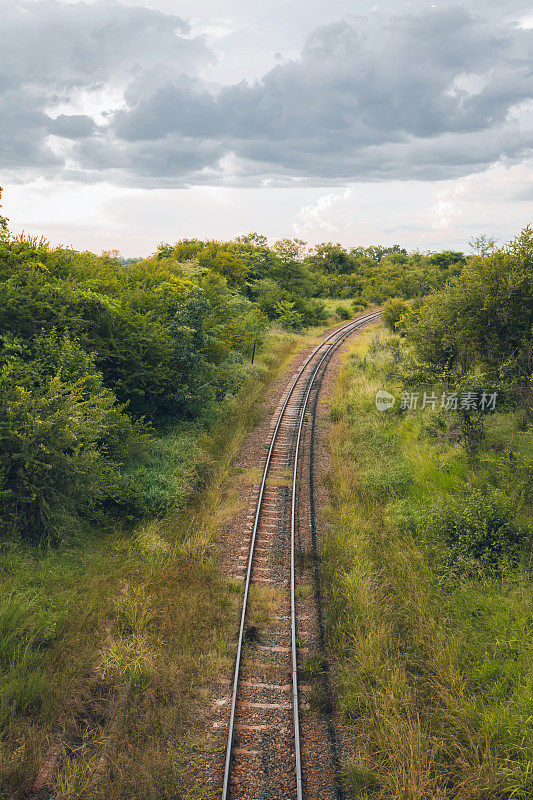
494, 199
526, 22
325, 216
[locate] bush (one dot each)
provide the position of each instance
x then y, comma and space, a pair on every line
482, 319
287, 316
358, 305
161, 475
62, 439
342, 312
479, 534
393, 311
51, 468
275, 303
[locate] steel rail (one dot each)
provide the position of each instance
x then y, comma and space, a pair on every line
329, 352
341, 334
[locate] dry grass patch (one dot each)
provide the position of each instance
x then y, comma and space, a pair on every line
263, 603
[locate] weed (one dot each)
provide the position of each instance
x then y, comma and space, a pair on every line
263, 602
303, 591
133, 611
361, 779
129, 659
75, 779
151, 544
314, 665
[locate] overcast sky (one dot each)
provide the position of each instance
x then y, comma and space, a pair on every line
124, 124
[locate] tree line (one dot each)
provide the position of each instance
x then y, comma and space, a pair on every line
287, 279
98, 353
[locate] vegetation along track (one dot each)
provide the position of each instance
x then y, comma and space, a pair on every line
269, 753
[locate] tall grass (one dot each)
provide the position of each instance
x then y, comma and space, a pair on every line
434, 670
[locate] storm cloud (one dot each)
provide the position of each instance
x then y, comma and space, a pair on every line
113, 92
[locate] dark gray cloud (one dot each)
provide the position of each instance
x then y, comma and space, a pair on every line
68, 45
425, 94
52, 54
153, 162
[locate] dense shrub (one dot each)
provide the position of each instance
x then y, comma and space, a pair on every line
52, 469
483, 319
274, 303
90, 346
393, 310
478, 533
342, 312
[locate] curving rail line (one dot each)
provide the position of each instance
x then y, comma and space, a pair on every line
332, 342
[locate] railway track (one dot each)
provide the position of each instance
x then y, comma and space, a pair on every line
267, 755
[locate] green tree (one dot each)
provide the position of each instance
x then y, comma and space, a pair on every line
484, 318
331, 259
482, 244
3, 221
393, 310
447, 259
287, 316
185, 249
289, 270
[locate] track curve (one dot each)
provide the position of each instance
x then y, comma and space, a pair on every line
263, 750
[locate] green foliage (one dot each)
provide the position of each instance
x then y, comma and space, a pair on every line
64, 442
90, 346
273, 302
52, 467
447, 259
374, 274
482, 320
357, 305
342, 312
3, 221
287, 316
478, 533
393, 310
286, 271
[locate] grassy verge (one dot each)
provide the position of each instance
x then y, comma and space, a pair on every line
106, 644
332, 305
428, 575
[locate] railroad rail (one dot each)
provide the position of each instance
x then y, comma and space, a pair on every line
272, 751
